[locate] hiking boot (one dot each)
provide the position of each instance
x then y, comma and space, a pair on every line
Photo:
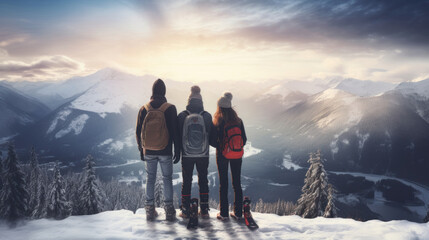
235, 216
204, 211
151, 213
184, 208
170, 212
222, 218
204, 206
183, 215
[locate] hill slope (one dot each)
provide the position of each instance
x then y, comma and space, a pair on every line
124, 224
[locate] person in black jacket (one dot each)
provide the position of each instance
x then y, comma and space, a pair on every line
226, 116
163, 156
200, 159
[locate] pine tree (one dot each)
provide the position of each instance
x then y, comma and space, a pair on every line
34, 181
14, 195
314, 197
40, 211
58, 206
331, 209
159, 191
92, 197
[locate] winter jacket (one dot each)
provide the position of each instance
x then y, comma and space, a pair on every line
194, 106
171, 120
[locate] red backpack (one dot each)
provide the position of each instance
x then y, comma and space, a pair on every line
233, 141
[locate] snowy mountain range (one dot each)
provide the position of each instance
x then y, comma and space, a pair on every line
360, 126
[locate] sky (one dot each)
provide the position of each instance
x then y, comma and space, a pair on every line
204, 40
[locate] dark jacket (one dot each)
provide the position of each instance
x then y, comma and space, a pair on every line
171, 120
217, 135
194, 106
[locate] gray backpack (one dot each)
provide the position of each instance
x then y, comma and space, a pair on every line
195, 140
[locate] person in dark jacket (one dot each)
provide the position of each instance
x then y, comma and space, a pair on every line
226, 115
162, 156
200, 160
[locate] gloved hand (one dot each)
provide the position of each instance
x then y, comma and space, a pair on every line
142, 155
176, 158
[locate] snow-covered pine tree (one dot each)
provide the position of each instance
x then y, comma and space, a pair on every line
58, 206
331, 209
314, 197
159, 191
34, 182
91, 194
14, 195
41, 207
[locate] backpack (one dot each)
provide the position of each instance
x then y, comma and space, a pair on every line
155, 134
195, 141
233, 141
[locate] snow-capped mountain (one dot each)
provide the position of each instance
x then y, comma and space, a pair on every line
364, 88
99, 120
17, 111
382, 134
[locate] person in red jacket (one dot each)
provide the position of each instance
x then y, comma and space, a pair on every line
229, 138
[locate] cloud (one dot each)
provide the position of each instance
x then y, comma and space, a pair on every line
51, 67
330, 24
3, 53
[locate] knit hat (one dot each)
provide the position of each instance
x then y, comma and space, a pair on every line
225, 100
195, 93
158, 88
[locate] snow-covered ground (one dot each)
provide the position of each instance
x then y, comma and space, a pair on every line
123, 224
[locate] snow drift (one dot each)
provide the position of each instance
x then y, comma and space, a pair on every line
123, 224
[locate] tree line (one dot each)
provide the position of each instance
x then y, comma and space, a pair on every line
29, 191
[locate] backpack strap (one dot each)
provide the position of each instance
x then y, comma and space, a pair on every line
148, 107
162, 108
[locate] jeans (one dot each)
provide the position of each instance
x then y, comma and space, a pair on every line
222, 166
166, 164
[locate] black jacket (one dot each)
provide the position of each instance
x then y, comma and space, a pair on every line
194, 106
217, 135
171, 120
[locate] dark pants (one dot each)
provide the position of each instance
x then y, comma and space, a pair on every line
188, 164
222, 166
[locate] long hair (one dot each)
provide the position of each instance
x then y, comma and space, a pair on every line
229, 115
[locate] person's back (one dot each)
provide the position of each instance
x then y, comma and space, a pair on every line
229, 138
195, 126
156, 132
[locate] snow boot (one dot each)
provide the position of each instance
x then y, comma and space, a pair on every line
204, 206
151, 213
170, 212
222, 218
233, 215
184, 208
248, 218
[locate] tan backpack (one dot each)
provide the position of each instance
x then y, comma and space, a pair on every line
154, 130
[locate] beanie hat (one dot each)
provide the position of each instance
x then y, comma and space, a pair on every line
158, 88
195, 93
225, 100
